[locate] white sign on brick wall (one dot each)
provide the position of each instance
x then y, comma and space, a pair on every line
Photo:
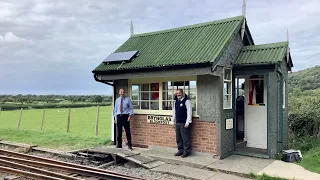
154, 119
229, 123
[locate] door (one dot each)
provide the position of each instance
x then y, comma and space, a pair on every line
256, 112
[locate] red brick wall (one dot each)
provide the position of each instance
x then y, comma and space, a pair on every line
203, 134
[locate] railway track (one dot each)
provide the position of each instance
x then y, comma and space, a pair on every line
36, 167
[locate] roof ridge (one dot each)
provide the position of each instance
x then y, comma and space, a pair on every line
189, 26
266, 46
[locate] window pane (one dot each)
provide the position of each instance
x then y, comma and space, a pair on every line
178, 85
154, 86
135, 92
193, 104
145, 87
170, 86
193, 85
167, 95
135, 96
165, 86
154, 95
155, 89
227, 74
145, 105
154, 105
145, 96
167, 105
136, 104
227, 101
259, 86
192, 95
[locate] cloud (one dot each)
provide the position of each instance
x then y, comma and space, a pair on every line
10, 37
55, 44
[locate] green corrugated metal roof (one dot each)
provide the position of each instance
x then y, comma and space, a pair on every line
200, 43
262, 54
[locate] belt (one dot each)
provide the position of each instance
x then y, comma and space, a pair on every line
123, 115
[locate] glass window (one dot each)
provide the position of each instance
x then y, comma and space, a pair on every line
284, 95
146, 96
227, 88
256, 90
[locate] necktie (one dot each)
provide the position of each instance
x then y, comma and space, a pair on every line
121, 105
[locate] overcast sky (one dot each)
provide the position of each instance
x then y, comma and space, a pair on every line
51, 46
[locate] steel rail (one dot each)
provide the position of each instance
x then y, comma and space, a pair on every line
42, 159
36, 170
84, 172
27, 174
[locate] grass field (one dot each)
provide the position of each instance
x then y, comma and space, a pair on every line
54, 133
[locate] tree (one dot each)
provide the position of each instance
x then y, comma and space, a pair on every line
98, 99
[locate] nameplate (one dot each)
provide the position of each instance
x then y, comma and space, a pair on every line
229, 123
154, 119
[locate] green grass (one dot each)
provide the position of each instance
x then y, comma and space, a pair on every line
54, 133
310, 149
264, 177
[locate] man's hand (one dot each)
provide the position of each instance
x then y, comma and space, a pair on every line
173, 124
186, 125
129, 118
115, 121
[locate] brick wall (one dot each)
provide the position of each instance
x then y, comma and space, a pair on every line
203, 134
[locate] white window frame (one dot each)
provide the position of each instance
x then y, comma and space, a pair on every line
284, 95
227, 81
160, 80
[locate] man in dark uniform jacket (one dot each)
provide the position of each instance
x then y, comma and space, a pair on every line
181, 118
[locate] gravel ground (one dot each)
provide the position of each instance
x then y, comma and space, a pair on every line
137, 171
127, 168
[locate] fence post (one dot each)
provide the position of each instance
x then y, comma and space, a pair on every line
68, 125
20, 117
44, 111
97, 120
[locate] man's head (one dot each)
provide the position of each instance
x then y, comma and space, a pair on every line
179, 93
121, 92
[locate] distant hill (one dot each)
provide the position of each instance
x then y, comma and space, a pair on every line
307, 79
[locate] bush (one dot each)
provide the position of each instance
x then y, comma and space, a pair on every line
304, 113
7, 107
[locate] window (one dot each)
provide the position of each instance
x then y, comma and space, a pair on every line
256, 90
169, 89
227, 88
145, 96
160, 95
284, 95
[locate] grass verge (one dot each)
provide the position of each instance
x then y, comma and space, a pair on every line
51, 139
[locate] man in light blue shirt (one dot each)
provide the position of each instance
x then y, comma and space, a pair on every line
122, 113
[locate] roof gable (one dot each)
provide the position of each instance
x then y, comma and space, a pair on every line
194, 44
262, 54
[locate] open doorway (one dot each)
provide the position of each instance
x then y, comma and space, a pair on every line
240, 112
251, 115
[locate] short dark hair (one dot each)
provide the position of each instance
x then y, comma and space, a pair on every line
180, 90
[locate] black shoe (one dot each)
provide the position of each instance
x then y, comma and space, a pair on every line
184, 155
118, 146
130, 148
178, 154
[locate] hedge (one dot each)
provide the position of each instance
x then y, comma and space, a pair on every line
7, 107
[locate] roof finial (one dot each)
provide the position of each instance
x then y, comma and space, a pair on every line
287, 35
244, 20
288, 48
131, 28
244, 8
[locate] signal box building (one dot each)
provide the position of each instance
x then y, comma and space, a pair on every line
238, 89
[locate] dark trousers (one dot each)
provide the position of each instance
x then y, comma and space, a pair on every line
183, 138
122, 121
